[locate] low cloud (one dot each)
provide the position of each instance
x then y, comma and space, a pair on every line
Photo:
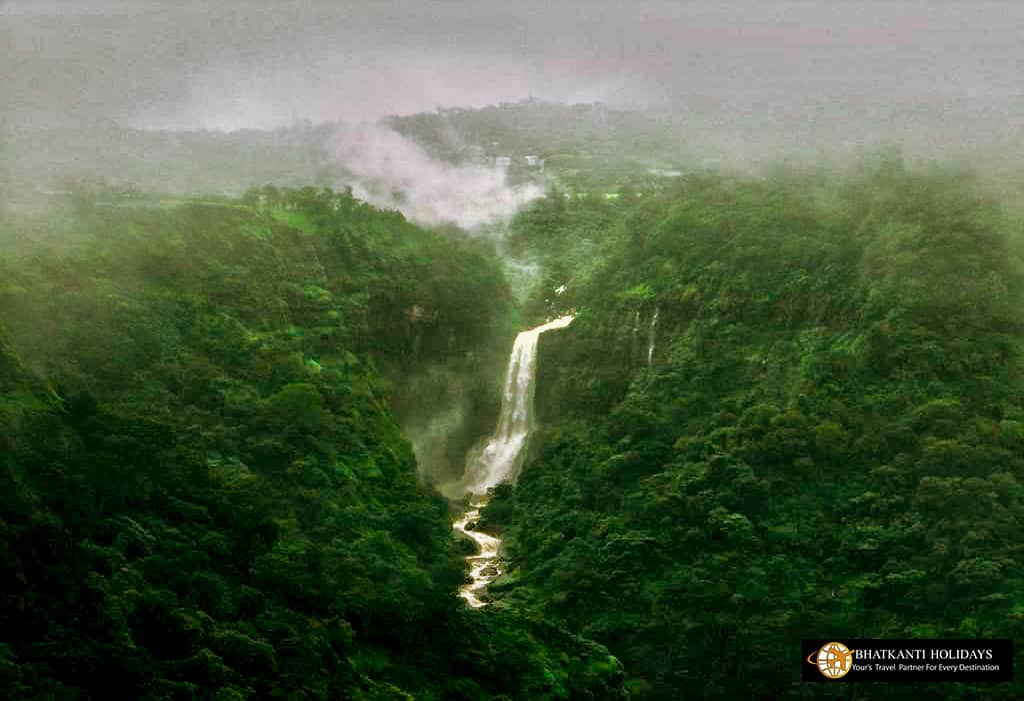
390, 170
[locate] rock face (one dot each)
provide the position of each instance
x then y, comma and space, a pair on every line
622, 342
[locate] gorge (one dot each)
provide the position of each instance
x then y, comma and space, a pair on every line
502, 456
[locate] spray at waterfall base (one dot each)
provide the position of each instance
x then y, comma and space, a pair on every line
502, 456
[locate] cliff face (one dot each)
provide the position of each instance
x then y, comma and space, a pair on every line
586, 369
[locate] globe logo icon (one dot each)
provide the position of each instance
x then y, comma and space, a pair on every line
833, 660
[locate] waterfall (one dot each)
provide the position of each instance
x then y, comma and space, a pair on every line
502, 457
650, 338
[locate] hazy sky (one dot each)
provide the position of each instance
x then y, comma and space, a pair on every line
935, 71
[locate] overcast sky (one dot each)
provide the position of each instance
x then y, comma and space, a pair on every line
935, 71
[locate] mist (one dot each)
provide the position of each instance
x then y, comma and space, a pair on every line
663, 328
394, 172
748, 79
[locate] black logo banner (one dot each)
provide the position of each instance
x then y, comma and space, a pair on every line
906, 660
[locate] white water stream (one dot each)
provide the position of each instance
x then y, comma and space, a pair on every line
502, 456
651, 331
484, 566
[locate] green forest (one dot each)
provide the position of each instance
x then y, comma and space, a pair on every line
789, 407
663, 350
205, 491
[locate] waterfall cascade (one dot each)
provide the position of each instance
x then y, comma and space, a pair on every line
502, 456
651, 331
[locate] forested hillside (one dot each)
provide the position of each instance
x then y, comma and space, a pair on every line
205, 494
511, 351
790, 406
583, 146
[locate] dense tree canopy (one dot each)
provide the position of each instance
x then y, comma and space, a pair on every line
204, 492
789, 407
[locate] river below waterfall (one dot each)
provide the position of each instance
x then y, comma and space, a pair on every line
485, 565
501, 458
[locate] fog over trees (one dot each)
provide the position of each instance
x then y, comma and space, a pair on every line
506, 350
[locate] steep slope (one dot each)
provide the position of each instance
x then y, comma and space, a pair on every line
826, 439
214, 501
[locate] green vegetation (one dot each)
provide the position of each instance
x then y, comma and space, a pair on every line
789, 406
205, 494
829, 440
584, 146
